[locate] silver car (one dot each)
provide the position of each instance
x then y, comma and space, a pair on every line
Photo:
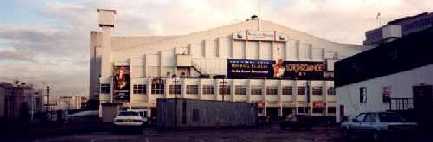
378, 125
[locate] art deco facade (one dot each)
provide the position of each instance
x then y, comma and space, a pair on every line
257, 61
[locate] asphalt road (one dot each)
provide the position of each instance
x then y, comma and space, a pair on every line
273, 134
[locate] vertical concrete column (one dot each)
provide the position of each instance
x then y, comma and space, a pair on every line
95, 63
264, 95
200, 89
310, 104
183, 86
231, 83
149, 90
298, 46
249, 91
145, 66
106, 62
259, 46
217, 90
295, 95
167, 84
231, 49
279, 93
244, 54
203, 48
160, 72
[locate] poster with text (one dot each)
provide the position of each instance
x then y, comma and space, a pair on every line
279, 69
245, 68
121, 84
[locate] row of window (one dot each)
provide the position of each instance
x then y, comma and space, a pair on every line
330, 109
317, 110
223, 89
196, 112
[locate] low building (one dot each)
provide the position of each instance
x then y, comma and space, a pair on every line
70, 102
255, 61
395, 76
2, 101
398, 28
192, 113
19, 100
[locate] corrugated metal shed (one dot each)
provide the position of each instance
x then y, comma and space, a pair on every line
204, 113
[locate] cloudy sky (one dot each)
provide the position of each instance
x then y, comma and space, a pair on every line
46, 42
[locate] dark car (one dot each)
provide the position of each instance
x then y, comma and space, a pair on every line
83, 116
296, 122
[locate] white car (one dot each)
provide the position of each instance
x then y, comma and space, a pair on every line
129, 119
379, 126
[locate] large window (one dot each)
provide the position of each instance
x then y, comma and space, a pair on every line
105, 88
224, 89
332, 109
195, 115
287, 90
301, 90
271, 90
318, 110
157, 88
331, 91
207, 90
175, 89
192, 89
139, 89
317, 90
303, 109
240, 90
362, 95
256, 90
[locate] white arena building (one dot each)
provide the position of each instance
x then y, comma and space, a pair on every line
282, 70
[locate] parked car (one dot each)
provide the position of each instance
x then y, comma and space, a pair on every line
296, 122
129, 119
378, 125
83, 117
143, 113
87, 120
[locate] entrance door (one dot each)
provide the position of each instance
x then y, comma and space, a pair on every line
287, 111
272, 113
342, 113
423, 105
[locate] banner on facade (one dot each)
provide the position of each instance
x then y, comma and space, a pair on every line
121, 84
259, 36
244, 68
269, 69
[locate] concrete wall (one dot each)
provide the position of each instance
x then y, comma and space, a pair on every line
209, 50
401, 87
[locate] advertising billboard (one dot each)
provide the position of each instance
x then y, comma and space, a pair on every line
304, 70
269, 69
121, 81
244, 68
